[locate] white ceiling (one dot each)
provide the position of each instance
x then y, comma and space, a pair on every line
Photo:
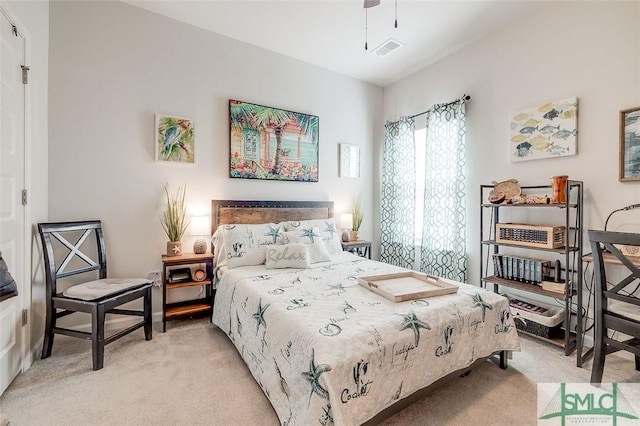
331, 33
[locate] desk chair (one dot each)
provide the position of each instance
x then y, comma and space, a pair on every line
99, 297
608, 317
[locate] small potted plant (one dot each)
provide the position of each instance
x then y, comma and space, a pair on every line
174, 219
356, 211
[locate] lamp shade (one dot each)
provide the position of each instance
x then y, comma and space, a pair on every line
200, 225
346, 220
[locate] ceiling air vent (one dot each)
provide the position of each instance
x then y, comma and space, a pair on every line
387, 47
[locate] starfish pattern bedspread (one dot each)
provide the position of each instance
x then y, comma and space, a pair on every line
326, 350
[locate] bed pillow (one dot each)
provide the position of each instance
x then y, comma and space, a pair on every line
217, 239
245, 245
327, 228
317, 249
294, 255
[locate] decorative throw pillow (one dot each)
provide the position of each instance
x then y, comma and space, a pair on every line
327, 228
244, 245
294, 255
317, 249
217, 239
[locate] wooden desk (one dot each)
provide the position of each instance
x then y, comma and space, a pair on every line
611, 259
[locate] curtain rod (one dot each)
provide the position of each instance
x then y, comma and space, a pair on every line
464, 97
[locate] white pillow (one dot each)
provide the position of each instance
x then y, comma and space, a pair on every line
294, 255
317, 249
327, 228
244, 245
217, 239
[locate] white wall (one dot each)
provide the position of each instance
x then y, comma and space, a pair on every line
33, 17
113, 66
586, 49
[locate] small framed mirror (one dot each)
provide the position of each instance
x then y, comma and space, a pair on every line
349, 160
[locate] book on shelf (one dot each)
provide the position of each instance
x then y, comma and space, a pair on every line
521, 269
556, 287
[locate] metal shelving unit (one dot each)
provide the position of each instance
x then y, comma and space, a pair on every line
569, 215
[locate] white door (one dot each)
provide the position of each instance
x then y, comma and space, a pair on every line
12, 211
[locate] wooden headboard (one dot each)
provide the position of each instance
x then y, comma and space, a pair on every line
240, 211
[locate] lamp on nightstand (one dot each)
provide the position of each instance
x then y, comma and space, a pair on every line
200, 228
346, 223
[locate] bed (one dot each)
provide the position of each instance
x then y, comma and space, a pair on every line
324, 349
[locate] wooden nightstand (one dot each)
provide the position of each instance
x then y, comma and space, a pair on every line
360, 247
203, 305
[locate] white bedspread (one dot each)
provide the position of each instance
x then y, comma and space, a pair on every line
326, 350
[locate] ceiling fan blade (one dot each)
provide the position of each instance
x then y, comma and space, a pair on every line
371, 3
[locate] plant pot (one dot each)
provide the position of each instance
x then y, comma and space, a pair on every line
174, 248
354, 235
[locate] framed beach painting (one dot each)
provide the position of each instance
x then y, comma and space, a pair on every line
630, 144
546, 131
272, 143
174, 139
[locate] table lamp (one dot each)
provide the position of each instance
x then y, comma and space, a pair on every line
346, 223
200, 228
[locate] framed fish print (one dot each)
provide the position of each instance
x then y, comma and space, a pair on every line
546, 131
630, 144
271, 143
174, 139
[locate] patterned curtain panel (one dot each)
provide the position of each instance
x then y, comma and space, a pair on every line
443, 247
398, 194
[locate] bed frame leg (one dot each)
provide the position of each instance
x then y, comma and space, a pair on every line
503, 360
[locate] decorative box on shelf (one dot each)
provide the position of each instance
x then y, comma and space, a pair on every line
540, 236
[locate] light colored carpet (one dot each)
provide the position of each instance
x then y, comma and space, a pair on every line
192, 375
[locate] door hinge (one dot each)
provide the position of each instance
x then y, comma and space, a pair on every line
25, 317
24, 197
25, 74
14, 30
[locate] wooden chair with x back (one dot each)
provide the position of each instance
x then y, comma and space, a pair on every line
617, 307
98, 297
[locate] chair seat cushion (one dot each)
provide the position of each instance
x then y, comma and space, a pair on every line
97, 289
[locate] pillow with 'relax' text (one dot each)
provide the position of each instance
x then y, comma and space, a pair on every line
311, 238
294, 255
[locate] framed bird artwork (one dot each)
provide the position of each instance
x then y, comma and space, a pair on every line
174, 139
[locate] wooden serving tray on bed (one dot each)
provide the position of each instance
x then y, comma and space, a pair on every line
407, 285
